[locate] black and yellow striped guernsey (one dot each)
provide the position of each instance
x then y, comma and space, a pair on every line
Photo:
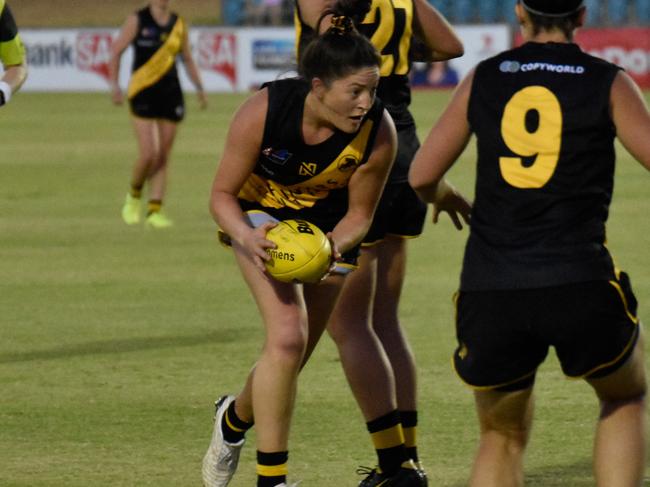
12, 51
389, 26
545, 143
295, 180
155, 49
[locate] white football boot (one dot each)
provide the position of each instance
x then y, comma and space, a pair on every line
221, 459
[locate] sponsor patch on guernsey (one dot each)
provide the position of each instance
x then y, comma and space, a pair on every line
516, 66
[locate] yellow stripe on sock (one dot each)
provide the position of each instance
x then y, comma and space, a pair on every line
410, 437
153, 207
230, 425
272, 470
388, 438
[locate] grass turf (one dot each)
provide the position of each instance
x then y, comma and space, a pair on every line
115, 341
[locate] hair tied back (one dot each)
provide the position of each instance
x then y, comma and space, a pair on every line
341, 25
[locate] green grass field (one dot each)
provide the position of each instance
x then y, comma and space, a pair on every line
115, 341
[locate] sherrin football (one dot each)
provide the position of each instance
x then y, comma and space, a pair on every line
303, 252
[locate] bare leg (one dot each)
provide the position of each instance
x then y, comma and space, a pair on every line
158, 172
391, 270
320, 300
363, 358
273, 383
148, 138
620, 443
505, 419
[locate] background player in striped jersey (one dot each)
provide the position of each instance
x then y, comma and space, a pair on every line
158, 36
537, 272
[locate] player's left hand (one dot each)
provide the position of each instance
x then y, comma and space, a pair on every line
449, 199
334, 258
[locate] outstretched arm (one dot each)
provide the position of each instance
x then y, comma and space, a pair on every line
444, 144
631, 117
435, 32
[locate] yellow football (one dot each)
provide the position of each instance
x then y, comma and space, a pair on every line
303, 252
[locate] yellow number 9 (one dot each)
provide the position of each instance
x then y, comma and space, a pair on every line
543, 144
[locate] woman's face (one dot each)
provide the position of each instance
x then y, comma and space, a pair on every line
348, 99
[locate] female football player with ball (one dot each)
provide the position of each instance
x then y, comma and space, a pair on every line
318, 148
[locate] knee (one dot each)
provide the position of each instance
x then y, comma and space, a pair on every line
149, 158
287, 341
161, 158
350, 332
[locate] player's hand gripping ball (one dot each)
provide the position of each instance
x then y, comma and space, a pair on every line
303, 252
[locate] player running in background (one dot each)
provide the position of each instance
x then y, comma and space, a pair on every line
158, 35
537, 272
374, 351
317, 148
12, 55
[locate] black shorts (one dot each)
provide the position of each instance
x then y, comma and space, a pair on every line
503, 336
163, 100
399, 213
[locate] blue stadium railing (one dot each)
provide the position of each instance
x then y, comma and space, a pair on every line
601, 13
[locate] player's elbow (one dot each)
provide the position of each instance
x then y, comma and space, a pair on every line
452, 50
455, 48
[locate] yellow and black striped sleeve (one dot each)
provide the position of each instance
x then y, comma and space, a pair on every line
12, 51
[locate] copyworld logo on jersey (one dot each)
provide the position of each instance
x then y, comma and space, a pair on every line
516, 67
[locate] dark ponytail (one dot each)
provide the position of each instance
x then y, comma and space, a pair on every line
337, 52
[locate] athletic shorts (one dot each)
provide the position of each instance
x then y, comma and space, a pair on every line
163, 100
257, 218
400, 212
503, 336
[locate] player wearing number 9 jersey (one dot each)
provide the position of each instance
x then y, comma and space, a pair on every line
537, 272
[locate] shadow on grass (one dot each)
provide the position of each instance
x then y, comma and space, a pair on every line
121, 346
576, 475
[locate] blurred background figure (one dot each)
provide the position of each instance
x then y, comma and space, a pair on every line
12, 55
434, 75
158, 35
264, 12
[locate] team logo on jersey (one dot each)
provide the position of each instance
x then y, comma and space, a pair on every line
148, 32
515, 67
347, 163
279, 157
509, 67
308, 169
